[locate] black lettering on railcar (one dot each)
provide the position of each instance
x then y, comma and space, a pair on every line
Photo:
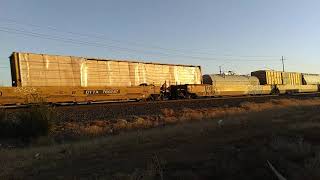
104, 91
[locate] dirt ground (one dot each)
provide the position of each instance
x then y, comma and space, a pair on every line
230, 145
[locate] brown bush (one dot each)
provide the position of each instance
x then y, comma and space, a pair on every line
93, 130
139, 122
170, 120
3, 114
100, 123
168, 112
34, 122
120, 124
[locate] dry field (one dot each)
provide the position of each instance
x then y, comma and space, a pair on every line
72, 129
211, 143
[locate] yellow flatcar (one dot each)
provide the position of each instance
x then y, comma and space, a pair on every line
56, 95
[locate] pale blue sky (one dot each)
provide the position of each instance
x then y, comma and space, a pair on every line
240, 35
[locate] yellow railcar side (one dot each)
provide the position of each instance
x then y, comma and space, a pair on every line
267, 77
31, 95
283, 89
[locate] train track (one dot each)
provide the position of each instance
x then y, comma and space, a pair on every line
128, 109
132, 102
215, 99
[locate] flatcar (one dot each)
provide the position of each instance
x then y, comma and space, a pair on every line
75, 95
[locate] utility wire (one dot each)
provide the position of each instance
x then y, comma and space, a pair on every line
100, 36
101, 45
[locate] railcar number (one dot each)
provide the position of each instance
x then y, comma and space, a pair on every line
105, 91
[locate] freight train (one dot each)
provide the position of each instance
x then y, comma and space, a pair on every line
54, 79
261, 82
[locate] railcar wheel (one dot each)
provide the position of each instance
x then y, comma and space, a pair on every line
275, 91
154, 97
151, 98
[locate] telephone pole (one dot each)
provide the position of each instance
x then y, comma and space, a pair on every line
282, 60
220, 70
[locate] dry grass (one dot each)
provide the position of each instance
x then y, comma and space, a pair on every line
216, 143
239, 146
154, 170
170, 116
